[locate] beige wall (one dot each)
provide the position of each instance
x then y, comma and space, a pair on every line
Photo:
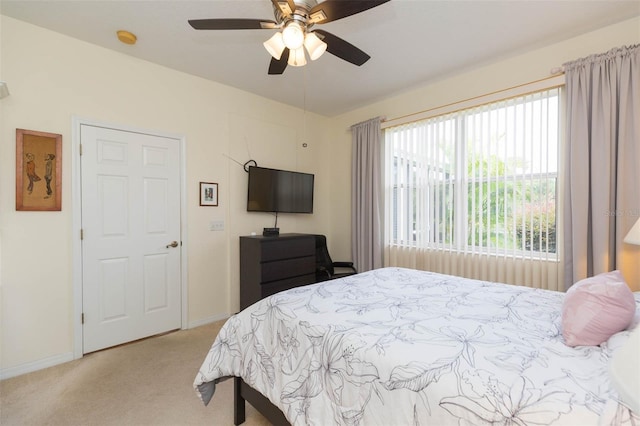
524, 68
53, 78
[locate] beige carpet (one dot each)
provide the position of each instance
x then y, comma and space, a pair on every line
143, 383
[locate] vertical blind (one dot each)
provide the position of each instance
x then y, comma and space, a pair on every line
480, 181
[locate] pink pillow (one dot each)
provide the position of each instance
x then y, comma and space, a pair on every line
596, 308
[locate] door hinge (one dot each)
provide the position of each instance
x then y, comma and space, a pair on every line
80, 149
82, 234
82, 318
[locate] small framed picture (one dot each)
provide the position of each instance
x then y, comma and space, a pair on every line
38, 171
208, 194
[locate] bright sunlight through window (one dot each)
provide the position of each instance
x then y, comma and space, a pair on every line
479, 180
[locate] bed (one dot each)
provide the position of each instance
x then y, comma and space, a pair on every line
397, 346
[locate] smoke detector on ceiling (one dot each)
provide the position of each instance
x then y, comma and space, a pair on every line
127, 37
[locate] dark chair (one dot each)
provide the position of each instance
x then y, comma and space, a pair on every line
325, 267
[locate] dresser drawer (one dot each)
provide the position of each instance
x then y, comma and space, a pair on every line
277, 249
271, 264
280, 269
277, 286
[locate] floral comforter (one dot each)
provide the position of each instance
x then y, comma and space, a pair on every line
397, 346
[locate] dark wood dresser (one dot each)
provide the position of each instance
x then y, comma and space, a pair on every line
272, 264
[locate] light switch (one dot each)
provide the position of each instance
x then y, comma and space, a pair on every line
216, 225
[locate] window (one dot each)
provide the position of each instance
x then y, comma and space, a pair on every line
483, 179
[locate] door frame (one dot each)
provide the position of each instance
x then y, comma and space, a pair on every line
76, 193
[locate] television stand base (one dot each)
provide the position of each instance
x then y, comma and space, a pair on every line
271, 232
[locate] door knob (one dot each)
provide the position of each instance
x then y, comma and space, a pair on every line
173, 244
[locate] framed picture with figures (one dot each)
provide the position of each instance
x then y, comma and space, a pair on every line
208, 194
38, 171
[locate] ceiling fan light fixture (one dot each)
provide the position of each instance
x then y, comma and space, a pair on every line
293, 35
296, 57
275, 45
293, 20
314, 45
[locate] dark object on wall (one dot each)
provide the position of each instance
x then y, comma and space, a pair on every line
325, 267
279, 191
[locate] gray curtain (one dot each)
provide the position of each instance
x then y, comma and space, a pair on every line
366, 195
602, 175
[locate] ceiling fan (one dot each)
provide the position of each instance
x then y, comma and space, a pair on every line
296, 18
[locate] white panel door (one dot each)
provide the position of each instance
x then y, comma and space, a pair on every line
131, 236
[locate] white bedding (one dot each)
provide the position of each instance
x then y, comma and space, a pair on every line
397, 346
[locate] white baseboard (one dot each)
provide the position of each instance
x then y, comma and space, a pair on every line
208, 320
6, 373
40, 364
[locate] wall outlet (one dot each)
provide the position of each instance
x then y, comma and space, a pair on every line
216, 225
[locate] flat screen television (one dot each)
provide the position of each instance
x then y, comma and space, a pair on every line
281, 191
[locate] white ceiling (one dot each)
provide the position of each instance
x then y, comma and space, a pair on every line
411, 42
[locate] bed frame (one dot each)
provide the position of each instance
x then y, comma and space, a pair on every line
243, 392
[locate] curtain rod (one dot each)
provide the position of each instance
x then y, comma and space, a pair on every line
556, 73
382, 120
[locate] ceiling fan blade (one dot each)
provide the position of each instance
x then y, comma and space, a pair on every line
343, 49
286, 7
277, 66
232, 24
331, 10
